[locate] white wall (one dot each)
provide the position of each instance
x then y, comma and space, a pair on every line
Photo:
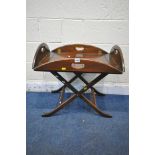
102, 23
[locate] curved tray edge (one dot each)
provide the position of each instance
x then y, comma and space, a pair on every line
116, 57
41, 52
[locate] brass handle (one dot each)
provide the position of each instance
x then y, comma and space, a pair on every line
79, 48
77, 66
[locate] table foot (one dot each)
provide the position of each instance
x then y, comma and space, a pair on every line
57, 90
98, 93
95, 107
59, 107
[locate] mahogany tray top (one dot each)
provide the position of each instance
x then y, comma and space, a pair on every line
79, 58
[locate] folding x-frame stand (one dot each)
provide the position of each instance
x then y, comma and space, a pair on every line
77, 93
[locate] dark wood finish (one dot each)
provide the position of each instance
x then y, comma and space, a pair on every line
77, 94
61, 98
93, 96
79, 59
60, 106
78, 75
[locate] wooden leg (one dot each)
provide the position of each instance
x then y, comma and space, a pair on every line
58, 90
95, 107
70, 81
93, 96
86, 82
61, 95
78, 93
60, 106
98, 93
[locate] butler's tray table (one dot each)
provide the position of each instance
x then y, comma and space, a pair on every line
78, 59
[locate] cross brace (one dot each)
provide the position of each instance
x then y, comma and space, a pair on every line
78, 75
89, 85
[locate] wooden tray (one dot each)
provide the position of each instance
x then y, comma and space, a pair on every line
79, 58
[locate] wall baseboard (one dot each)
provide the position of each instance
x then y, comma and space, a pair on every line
107, 88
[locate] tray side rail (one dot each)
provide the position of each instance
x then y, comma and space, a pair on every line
42, 51
116, 58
